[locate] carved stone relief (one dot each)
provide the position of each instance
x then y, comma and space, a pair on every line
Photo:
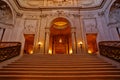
90, 25
30, 26
89, 3
58, 3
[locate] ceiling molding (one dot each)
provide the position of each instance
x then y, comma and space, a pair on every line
60, 7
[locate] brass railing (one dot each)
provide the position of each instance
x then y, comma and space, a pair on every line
9, 50
110, 49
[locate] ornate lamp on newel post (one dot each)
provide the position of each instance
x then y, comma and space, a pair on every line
39, 45
80, 44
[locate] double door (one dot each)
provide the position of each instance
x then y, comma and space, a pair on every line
60, 44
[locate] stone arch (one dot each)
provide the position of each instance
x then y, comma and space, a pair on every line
60, 36
114, 21
109, 8
53, 18
114, 12
11, 10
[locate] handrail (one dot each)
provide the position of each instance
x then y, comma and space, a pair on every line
9, 50
110, 49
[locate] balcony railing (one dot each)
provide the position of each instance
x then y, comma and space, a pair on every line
110, 49
9, 50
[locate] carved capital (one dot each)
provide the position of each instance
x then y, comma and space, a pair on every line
19, 14
43, 15
47, 30
76, 15
101, 13
73, 29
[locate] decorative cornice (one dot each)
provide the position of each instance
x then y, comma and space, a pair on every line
60, 7
6, 25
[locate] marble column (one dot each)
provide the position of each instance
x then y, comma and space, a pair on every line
73, 42
102, 26
83, 39
37, 35
47, 36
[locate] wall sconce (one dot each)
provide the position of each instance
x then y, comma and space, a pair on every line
80, 43
39, 44
50, 51
31, 52
89, 51
71, 51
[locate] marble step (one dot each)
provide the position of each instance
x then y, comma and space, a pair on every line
60, 69
38, 64
60, 77
59, 61
59, 72
60, 66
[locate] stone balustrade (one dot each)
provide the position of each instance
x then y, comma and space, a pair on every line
9, 50
110, 49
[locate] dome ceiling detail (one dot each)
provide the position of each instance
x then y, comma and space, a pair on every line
36, 4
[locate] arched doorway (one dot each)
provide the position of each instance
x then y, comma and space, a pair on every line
29, 43
60, 37
92, 43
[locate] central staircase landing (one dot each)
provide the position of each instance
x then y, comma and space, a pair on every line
59, 67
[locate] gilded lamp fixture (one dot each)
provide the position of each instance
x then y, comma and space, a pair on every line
60, 24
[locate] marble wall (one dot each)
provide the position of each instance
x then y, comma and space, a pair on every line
82, 23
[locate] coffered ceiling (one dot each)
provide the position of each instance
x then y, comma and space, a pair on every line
41, 4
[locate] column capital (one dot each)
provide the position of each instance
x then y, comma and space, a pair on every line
102, 13
73, 29
47, 29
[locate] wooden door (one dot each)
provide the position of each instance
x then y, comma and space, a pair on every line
92, 43
60, 44
29, 43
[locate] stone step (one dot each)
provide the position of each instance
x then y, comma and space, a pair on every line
59, 77
60, 66
59, 72
61, 61
67, 58
38, 64
60, 69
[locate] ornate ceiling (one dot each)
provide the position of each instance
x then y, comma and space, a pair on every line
37, 4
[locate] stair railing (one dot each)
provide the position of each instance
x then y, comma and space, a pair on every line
9, 50
110, 49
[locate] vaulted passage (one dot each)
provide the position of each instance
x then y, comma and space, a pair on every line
60, 37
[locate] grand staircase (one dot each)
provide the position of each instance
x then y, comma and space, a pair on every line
59, 67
